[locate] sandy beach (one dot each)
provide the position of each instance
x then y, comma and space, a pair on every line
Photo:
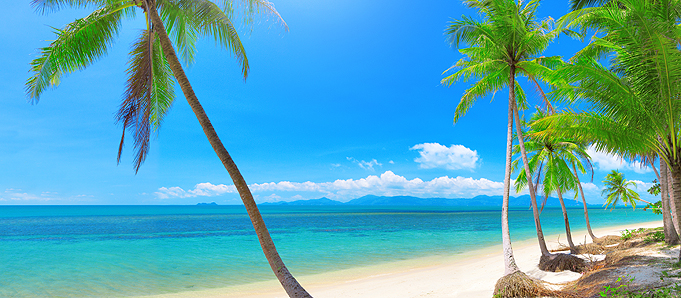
472, 274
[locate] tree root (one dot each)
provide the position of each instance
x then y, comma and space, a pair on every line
560, 262
518, 284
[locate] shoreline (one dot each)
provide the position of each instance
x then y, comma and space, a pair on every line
469, 274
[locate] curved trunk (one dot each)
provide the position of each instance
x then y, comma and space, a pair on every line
523, 154
670, 233
509, 261
586, 211
290, 284
573, 249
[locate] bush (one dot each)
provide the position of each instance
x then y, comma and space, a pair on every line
627, 234
621, 290
657, 236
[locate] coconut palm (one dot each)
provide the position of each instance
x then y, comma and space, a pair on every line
153, 69
635, 104
552, 160
617, 188
502, 46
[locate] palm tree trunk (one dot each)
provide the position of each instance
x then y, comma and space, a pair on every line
586, 211
290, 284
676, 186
573, 249
672, 199
670, 233
510, 266
523, 154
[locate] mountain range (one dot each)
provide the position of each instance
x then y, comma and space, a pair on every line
371, 200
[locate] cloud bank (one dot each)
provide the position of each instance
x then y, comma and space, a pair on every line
387, 184
454, 157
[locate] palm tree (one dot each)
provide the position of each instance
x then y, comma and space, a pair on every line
503, 45
152, 67
616, 189
635, 107
551, 161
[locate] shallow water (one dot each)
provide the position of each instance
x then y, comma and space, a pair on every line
114, 251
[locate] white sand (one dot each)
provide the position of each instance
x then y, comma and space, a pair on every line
471, 275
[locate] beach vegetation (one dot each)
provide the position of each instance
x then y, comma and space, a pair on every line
621, 289
654, 207
617, 290
153, 69
627, 234
655, 189
656, 236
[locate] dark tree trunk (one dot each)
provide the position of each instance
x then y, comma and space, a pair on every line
528, 173
573, 249
290, 284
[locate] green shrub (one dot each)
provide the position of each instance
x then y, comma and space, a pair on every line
657, 236
627, 234
622, 291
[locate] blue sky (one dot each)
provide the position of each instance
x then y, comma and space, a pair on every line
348, 102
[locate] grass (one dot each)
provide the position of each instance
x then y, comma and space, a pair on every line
605, 278
622, 289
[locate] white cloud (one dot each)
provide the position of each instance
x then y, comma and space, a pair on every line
388, 184
454, 157
608, 162
367, 165
18, 196
586, 187
205, 189
641, 186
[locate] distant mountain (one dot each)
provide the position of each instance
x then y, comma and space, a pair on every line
315, 202
207, 204
371, 200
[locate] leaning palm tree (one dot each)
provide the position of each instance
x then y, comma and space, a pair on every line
552, 161
616, 188
504, 45
153, 69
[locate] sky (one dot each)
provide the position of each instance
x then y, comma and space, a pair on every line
347, 102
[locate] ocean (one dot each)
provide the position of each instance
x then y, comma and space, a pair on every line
122, 251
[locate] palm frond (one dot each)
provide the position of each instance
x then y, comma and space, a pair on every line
77, 46
148, 96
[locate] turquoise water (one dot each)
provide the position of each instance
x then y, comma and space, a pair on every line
116, 251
